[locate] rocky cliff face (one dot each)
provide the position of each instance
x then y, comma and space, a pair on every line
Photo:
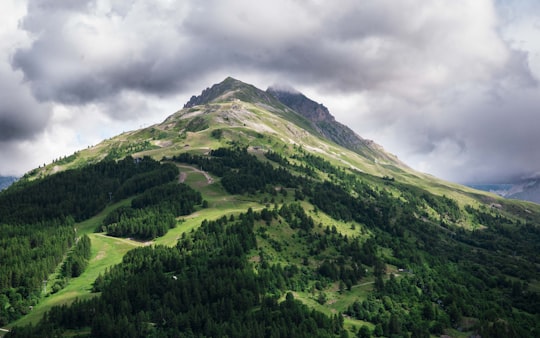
310, 109
231, 89
327, 125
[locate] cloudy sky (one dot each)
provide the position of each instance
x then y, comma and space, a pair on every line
450, 86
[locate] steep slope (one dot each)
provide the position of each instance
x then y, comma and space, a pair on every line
286, 218
327, 125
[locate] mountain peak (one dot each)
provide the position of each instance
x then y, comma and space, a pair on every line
316, 116
228, 90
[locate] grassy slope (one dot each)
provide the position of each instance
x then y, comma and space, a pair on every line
253, 125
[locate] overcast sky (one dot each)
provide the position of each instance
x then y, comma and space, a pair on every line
449, 86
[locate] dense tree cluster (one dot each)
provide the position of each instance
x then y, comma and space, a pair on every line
203, 287
143, 224
428, 273
27, 255
81, 193
78, 257
37, 221
152, 213
240, 171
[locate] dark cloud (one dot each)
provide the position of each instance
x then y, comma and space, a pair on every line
440, 84
21, 116
83, 53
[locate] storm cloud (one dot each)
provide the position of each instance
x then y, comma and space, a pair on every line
449, 86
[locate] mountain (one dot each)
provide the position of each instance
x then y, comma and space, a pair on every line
527, 190
245, 214
321, 122
244, 114
6, 181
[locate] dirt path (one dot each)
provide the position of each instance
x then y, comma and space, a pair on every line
183, 175
362, 284
125, 240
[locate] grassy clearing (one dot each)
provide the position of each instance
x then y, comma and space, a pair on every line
106, 251
350, 229
219, 201
336, 304
89, 226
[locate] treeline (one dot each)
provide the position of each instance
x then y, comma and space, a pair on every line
203, 287
152, 213
37, 221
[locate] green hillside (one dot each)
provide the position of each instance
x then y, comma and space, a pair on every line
237, 216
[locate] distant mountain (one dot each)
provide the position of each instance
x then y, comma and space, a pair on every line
498, 189
527, 190
6, 181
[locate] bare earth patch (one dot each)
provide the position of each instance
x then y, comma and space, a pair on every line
100, 255
182, 177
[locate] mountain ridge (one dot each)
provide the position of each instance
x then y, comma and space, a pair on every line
526, 190
323, 122
327, 125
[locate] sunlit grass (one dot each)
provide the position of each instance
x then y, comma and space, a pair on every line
106, 252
